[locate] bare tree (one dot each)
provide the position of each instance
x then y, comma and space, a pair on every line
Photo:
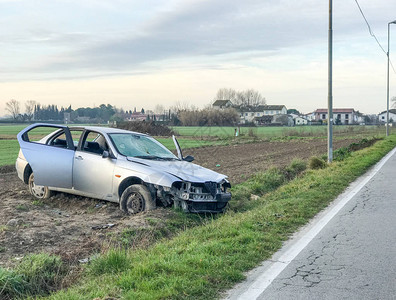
181, 106
12, 107
393, 100
250, 98
159, 109
226, 94
29, 108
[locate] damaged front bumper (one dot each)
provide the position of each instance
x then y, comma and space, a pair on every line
210, 197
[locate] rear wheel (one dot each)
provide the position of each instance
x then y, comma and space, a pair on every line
38, 191
136, 198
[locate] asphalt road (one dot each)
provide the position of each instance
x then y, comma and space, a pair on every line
353, 256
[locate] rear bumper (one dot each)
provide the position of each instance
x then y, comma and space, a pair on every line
20, 166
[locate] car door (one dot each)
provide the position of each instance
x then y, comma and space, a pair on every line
52, 165
93, 173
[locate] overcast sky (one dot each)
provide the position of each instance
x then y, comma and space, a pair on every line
142, 53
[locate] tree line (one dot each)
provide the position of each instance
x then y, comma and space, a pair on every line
179, 114
37, 112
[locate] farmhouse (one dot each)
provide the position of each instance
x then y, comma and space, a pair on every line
255, 114
270, 110
221, 104
137, 116
300, 121
344, 116
392, 116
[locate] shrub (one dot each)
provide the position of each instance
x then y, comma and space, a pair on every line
316, 163
341, 153
149, 127
296, 167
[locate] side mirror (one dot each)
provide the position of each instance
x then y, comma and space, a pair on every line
189, 158
105, 154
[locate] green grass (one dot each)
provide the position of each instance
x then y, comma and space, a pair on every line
36, 274
8, 152
270, 132
203, 261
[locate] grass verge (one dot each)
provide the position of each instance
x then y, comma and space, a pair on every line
201, 262
36, 274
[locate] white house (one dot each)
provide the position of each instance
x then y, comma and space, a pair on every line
251, 113
392, 116
300, 121
270, 110
310, 116
344, 116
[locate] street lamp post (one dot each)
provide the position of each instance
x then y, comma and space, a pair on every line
387, 83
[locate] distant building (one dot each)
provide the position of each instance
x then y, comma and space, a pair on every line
271, 110
256, 114
136, 116
221, 104
66, 118
300, 121
344, 116
392, 116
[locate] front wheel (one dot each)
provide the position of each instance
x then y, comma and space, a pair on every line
136, 198
38, 191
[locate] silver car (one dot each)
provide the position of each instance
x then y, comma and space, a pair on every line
130, 168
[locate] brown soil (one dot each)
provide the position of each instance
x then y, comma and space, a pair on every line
238, 162
63, 224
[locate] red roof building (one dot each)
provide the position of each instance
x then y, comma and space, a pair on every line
344, 116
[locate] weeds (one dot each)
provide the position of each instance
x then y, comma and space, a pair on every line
22, 207
36, 274
38, 203
265, 182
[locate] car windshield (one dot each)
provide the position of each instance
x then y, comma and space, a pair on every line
141, 146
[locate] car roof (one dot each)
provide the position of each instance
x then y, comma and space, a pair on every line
106, 130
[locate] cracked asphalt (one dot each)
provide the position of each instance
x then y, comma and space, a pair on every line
354, 255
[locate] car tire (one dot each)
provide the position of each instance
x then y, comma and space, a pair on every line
136, 198
38, 191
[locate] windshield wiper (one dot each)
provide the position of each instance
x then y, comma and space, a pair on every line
154, 157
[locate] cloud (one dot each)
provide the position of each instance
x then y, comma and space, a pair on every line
189, 31
201, 28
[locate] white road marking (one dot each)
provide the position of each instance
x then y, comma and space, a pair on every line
296, 245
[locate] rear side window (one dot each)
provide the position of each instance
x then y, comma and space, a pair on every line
60, 140
38, 133
94, 143
55, 136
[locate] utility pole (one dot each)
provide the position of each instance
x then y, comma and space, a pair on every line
330, 88
387, 82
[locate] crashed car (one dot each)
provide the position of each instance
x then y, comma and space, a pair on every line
129, 168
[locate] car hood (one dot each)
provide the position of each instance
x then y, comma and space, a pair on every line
183, 170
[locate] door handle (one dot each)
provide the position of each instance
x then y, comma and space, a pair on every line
79, 157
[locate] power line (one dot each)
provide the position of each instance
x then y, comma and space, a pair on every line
373, 35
